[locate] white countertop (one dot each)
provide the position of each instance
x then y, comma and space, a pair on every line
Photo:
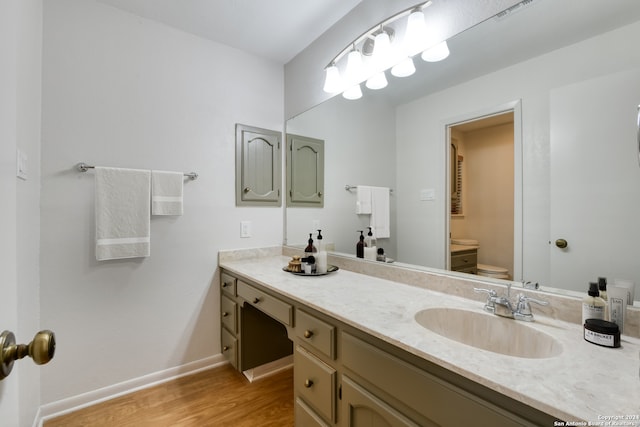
585, 382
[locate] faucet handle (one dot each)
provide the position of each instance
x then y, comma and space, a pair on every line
491, 294
523, 309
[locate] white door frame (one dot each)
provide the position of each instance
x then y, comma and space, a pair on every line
516, 108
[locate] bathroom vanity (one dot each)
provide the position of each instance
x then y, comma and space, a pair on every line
464, 259
361, 352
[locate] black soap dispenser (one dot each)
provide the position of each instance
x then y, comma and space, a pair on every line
360, 245
309, 257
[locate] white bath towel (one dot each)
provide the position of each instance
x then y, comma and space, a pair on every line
380, 216
166, 193
363, 200
122, 213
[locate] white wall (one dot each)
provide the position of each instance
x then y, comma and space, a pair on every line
420, 138
20, 76
359, 150
122, 91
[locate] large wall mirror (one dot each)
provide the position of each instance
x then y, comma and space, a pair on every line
569, 74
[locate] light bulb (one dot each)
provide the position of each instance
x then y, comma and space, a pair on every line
404, 68
353, 73
378, 81
354, 92
381, 45
436, 53
416, 33
332, 82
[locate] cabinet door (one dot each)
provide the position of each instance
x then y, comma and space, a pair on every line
305, 171
362, 409
257, 166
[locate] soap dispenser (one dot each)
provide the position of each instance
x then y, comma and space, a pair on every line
360, 245
592, 305
321, 257
309, 253
370, 246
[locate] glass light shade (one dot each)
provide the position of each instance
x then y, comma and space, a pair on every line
381, 46
353, 73
354, 92
416, 32
436, 53
378, 81
404, 68
332, 82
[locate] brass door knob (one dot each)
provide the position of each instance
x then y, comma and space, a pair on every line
561, 243
308, 334
308, 383
41, 349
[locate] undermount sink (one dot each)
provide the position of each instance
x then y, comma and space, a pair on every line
489, 332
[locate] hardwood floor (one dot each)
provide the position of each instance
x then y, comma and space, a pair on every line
216, 397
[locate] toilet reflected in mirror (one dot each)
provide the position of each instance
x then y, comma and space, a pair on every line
481, 175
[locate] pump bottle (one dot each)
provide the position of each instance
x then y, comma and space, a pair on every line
321, 257
360, 245
593, 305
310, 251
370, 246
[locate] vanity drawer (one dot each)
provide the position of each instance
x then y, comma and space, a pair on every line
228, 314
228, 284
275, 308
463, 260
315, 382
317, 333
432, 397
229, 347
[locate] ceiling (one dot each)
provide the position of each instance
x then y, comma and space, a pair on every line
274, 29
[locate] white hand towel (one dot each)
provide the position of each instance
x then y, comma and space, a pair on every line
363, 200
166, 193
122, 213
380, 217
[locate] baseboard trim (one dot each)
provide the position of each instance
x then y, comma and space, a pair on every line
269, 369
70, 404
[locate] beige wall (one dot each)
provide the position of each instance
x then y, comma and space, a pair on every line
488, 192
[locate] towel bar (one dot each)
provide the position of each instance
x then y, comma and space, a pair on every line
83, 167
353, 187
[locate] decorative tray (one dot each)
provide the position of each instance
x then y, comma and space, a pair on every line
330, 269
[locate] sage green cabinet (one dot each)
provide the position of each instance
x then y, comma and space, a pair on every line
305, 171
344, 377
257, 166
363, 409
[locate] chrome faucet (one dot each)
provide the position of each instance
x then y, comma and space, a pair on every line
501, 305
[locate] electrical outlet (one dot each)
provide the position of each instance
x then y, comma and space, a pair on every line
245, 229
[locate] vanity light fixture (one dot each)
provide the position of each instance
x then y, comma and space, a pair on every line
377, 50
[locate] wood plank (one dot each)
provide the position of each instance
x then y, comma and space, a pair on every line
219, 396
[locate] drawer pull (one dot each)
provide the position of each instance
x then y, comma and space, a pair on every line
308, 334
225, 348
256, 300
225, 314
225, 284
308, 383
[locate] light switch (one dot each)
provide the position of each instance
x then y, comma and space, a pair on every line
21, 164
427, 195
245, 229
